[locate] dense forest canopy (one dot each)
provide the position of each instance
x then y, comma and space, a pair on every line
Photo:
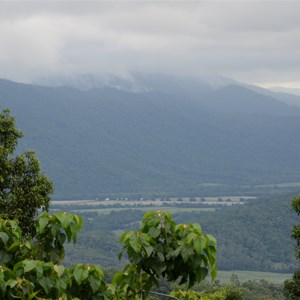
247, 235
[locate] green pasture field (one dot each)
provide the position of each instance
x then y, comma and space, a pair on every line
276, 278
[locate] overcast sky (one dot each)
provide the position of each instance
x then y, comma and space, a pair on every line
250, 41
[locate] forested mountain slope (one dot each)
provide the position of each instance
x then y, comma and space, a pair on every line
105, 140
255, 236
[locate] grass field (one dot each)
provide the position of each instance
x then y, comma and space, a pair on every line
277, 278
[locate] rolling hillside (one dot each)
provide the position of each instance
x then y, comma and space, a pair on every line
104, 140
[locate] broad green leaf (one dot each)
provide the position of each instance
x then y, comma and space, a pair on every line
135, 244
43, 222
12, 283
29, 265
154, 232
192, 236
39, 269
65, 219
125, 236
161, 256
211, 238
197, 227
99, 271
213, 272
46, 284
14, 246
59, 270
199, 245
61, 284
61, 238
54, 230
152, 220
28, 245
68, 233
78, 220
80, 274
201, 274
4, 237
149, 250
185, 252
95, 283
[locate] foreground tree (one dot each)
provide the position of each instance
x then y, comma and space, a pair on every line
292, 287
24, 190
33, 269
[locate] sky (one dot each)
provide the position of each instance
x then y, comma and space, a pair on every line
256, 42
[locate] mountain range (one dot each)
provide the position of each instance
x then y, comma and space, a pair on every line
157, 135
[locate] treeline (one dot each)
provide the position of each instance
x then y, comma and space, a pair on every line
254, 236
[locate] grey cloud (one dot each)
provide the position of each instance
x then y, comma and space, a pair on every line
230, 38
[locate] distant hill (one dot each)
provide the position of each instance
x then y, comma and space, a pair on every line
110, 141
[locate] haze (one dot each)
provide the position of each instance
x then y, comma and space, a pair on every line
250, 41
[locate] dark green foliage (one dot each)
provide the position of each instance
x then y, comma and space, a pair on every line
32, 268
228, 292
160, 248
24, 190
248, 235
249, 290
253, 290
292, 287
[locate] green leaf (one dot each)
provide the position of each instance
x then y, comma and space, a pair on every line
213, 272
201, 274
135, 244
29, 265
199, 245
80, 274
14, 246
12, 283
126, 235
191, 237
33, 295
149, 250
61, 238
78, 221
211, 238
61, 284
43, 222
28, 245
65, 219
154, 232
185, 252
46, 284
59, 270
95, 283
68, 233
4, 237
197, 227
161, 256
151, 220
